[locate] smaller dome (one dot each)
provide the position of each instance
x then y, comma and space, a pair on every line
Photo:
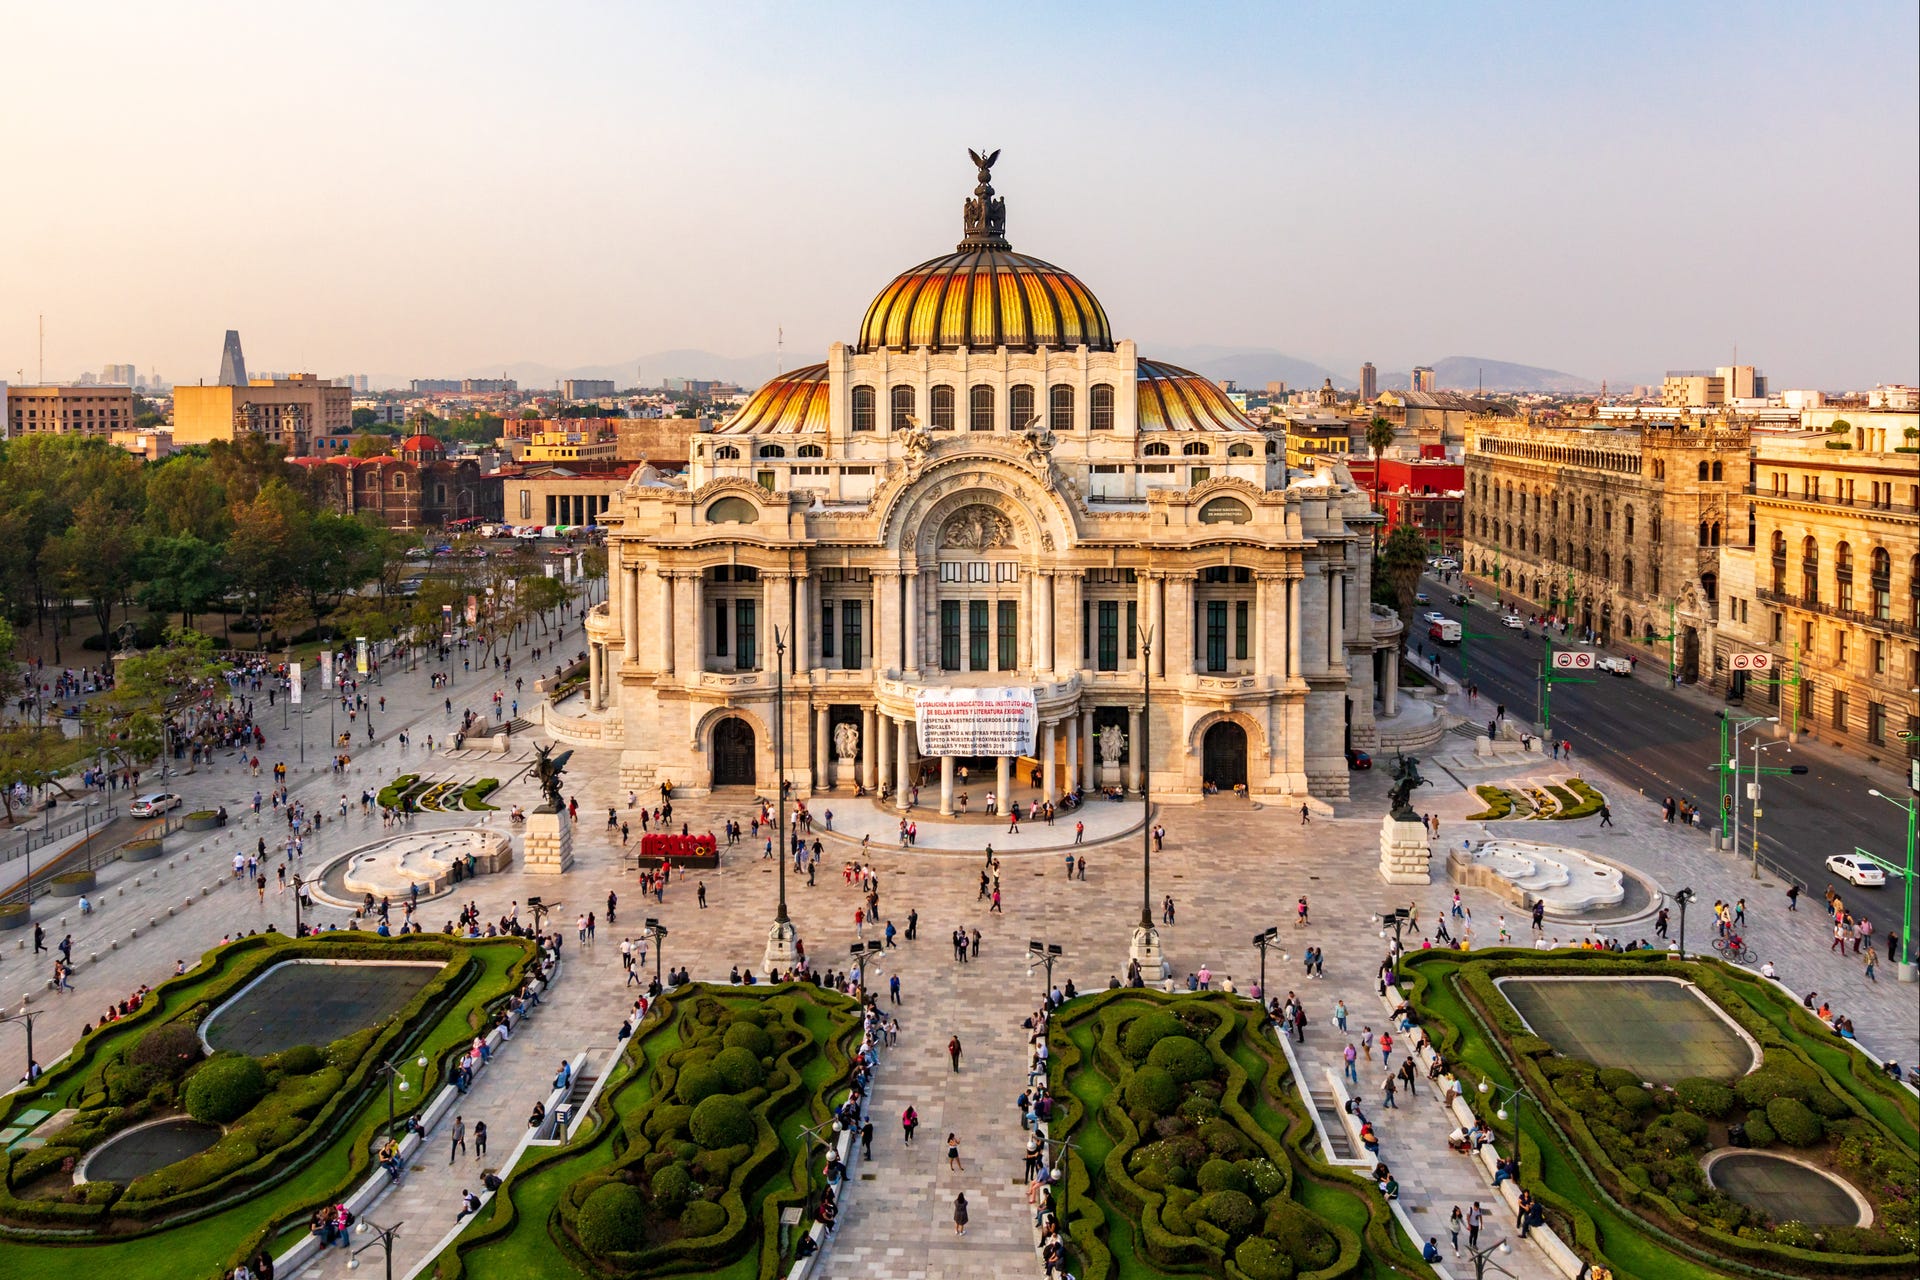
1176, 399
795, 401
422, 443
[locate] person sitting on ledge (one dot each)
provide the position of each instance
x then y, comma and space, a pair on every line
539, 1116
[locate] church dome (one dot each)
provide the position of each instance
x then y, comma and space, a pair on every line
984, 295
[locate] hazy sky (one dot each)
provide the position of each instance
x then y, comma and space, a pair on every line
416, 190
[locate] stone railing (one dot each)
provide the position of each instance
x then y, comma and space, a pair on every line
587, 731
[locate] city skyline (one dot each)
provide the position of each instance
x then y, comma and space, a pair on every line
1395, 186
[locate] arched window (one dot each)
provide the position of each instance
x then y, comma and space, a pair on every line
726, 453
1606, 565
1589, 510
1060, 409
902, 397
1810, 570
399, 480
1779, 561
943, 408
1629, 515
1626, 581
1880, 581
980, 408
1194, 449
1020, 407
1654, 531
1716, 472
1225, 511
1102, 407
1606, 516
810, 451
732, 510
772, 451
863, 408
1704, 471
1843, 575
1239, 451
1157, 449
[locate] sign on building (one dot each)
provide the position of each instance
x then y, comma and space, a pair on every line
1750, 661
975, 722
1567, 658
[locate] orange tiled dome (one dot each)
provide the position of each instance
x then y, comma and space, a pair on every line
985, 297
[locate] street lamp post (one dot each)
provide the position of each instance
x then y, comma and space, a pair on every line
1483, 1258
1682, 898
655, 931
1145, 950
1904, 963
1728, 767
392, 1073
780, 950
1264, 940
1043, 953
1758, 747
298, 885
25, 1018
385, 1241
1503, 1098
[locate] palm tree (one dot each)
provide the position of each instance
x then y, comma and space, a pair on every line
1379, 440
1402, 561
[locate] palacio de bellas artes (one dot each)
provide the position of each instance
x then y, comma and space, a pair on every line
987, 547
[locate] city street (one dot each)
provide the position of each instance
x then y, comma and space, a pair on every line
1663, 742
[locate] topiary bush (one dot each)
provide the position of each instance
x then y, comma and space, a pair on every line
1633, 1098
746, 1035
1182, 1057
170, 1050
699, 1081
1260, 1259
1704, 1097
672, 1187
739, 1068
1152, 1090
1231, 1211
613, 1220
1221, 1175
702, 1218
1771, 1081
225, 1089
1147, 1030
299, 1060
1795, 1122
721, 1121
1759, 1132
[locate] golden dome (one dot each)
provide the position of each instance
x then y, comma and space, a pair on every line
1176, 399
984, 295
795, 401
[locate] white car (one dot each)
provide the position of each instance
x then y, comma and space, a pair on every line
1514, 622
1447, 563
1613, 665
1856, 870
1433, 617
154, 804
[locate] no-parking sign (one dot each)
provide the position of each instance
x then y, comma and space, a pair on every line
1750, 661
1567, 659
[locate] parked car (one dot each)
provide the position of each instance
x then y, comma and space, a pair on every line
1613, 665
1513, 622
1358, 759
1446, 563
153, 804
1420, 597
1459, 600
1856, 870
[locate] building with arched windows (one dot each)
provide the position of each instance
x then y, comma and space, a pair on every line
988, 490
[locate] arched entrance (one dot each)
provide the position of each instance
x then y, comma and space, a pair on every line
1224, 756
733, 753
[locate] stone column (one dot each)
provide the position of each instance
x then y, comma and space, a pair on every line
1143, 613
776, 603
822, 748
1026, 622
630, 610
911, 628
1181, 611
883, 746
1086, 751
1293, 628
800, 652
1156, 619
1260, 624
946, 786
1390, 693
593, 676
1043, 622
615, 615
869, 753
887, 628
902, 775
1003, 781
1046, 762
667, 602
1336, 624
1070, 585
1134, 752
690, 637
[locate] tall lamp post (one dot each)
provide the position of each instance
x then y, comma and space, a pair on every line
780, 950
1758, 747
1044, 953
1483, 1258
393, 1072
25, 1018
1728, 767
1145, 950
1503, 1098
1904, 963
1683, 898
656, 931
385, 1241
1266, 939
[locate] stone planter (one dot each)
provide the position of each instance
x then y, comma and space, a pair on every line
14, 915
72, 884
202, 820
141, 850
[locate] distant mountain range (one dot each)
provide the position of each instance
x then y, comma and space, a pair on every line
1251, 367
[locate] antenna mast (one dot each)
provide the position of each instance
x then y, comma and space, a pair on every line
780, 350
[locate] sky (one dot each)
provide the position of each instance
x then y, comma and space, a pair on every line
418, 190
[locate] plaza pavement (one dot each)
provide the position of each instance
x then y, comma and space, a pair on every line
1232, 867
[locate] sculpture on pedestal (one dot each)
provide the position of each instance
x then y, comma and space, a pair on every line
548, 769
1113, 743
1406, 776
846, 740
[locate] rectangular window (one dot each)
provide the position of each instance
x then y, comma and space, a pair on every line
1840, 710
526, 504
826, 628
720, 627
949, 635
1109, 655
853, 649
977, 635
1879, 657
743, 635
1806, 639
1216, 635
979, 571
1133, 628
1196, 474
951, 572
1240, 610
1009, 634
1806, 698
1840, 647
764, 479
1876, 724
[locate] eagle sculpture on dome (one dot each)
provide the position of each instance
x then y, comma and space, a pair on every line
984, 215
984, 165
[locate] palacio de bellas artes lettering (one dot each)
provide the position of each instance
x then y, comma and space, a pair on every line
986, 490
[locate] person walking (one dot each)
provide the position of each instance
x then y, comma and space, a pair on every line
479, 1139
1456, 1221
866, 1140
1871, 959
953, 1051
893, 989
1305, 818
1475, 1216
953, 1153
1606, 814
700, 894
1388, 1090
458, 1146
909, 1121
960, 1214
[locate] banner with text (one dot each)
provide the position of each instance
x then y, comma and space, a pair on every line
975, 722
293, 681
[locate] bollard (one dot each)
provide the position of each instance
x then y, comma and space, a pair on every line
204, 891
187, 901
93, 957
132, 934
171, 910
63, 919
153, 922
114, 945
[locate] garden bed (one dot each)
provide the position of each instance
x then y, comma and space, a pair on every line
1192, 1152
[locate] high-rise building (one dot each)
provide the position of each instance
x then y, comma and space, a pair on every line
117, 375
1422, 378
290, 411
81, 409
587, 388
1369, 383
233, 363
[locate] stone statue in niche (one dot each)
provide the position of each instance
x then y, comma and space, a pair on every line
846, 740
1113, 743
977, 528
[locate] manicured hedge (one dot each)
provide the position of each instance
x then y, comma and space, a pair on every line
1645, 1150
1208, 1188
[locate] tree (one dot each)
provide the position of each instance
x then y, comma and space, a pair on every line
369, 445
1402, 561
182, 575
260, 554
34, 757
331, 555
185, 495
247, 463
1379, 440
129, 721
95, 557
364, 418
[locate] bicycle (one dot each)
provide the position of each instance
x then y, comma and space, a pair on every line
1734, 949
